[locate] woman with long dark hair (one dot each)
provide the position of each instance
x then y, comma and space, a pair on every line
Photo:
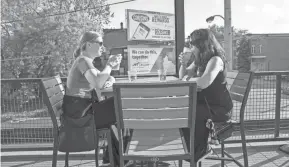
213, 101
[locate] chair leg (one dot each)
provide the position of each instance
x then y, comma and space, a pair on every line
180, 163
134, 163
66, 159
109, 140
244, 147
193, 163
55, 151
96, 150
222, 154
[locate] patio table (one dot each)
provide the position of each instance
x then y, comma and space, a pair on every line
108, 92
161, 136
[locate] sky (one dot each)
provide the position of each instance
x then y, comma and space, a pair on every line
257, 16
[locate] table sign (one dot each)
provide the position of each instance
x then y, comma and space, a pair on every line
150, 26
148, 59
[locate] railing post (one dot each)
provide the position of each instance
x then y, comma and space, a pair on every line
278, 105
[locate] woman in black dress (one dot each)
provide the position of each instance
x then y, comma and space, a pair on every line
209, 71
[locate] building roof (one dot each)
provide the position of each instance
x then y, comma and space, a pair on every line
258, 57
270, 34
258, 36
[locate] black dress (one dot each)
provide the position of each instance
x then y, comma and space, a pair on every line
213, 103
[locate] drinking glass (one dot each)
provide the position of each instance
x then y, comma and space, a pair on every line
132, 75
162, 74
116, 68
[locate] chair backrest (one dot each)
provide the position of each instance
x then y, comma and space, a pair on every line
155, 105
240, 85
53, 93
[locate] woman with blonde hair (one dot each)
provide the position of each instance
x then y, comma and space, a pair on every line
214, 103
85, 76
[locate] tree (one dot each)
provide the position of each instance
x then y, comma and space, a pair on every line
48, 40
243, 55
237, 34
218, 32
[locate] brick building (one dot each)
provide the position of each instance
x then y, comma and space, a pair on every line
270, 52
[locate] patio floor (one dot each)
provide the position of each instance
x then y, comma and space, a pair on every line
260, 155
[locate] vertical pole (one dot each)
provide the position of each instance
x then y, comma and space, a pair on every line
277, 105
228, 33
179, 29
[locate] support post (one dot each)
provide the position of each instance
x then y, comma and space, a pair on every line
179, 29
277, 105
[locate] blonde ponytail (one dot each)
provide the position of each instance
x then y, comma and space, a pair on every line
77, 53
86, 37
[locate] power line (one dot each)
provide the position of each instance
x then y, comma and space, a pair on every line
58, 14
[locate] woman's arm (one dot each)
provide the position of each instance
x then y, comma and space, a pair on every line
97, 78
214, 66
182, 71
189, 71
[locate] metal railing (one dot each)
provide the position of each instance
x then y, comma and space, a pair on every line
25, 118
267, 109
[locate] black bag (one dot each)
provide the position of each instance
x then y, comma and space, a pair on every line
77, 134
104, 113
77, 131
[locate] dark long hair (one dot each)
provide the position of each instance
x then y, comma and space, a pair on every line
208, 45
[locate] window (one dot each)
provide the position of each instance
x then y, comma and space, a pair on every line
253, 49
260, 49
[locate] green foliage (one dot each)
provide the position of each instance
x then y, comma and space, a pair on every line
45, 35
218, 31
243, 48
243, 55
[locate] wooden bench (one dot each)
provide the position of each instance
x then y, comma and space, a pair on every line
53, 93
239, 85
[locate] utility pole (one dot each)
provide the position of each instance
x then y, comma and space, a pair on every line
228, 33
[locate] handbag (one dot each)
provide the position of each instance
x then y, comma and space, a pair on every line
77, 134
104, 113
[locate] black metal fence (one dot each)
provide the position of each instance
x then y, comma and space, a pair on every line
25, 118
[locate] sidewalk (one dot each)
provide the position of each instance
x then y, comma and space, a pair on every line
260, 155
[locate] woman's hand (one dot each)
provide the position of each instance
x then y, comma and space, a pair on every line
114, 60
109, 82
184, 58
185, 78
111, 79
